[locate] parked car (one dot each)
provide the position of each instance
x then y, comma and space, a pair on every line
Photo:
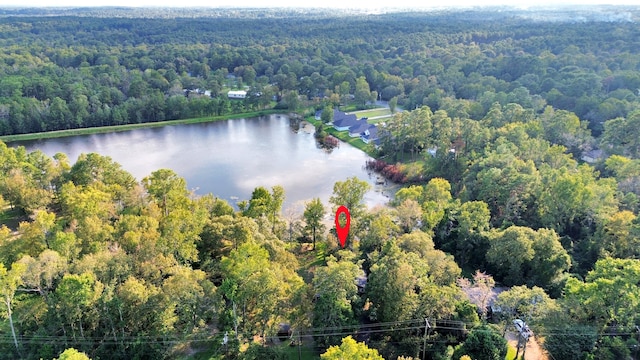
522, 328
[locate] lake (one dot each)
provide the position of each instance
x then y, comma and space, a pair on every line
229, 158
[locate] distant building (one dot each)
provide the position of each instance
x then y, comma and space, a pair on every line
477, 297
237, 94
592, 156
196, 92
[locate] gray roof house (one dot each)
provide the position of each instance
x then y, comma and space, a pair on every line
342, 121
360, 126
370, 135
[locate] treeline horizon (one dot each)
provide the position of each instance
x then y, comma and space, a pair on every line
75, 72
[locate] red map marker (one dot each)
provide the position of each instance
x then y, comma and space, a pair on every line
342, 232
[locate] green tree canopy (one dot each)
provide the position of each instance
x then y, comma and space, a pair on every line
483, 343
313, 214
350, 349
72, 354
536, 257
608, 295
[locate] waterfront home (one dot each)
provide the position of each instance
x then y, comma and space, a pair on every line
343, 121
359, 127
237, 94
370, 135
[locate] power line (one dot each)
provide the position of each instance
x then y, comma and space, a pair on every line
353, 329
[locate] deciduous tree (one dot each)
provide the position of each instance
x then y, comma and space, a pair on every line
350, 193
167, 188
75, 297
480, 290
350, 349
10, 280
313, 214
335, 287
363, 92
72, 354
531, 304
483, 343
518, 243
608, 295
392, 284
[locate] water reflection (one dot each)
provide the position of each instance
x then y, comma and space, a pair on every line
228, 158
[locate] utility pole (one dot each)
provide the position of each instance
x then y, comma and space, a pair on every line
427, 327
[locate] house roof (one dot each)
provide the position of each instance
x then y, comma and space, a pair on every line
595, 154
592, 156
475, 295
373, 132
359, 127
341, 119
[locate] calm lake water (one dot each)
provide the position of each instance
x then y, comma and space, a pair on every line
229, 158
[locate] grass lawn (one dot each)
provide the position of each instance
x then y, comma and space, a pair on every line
348, 108
311, 119
511, 353
379, 120
310, 259
355, 142
306, 352
372, 113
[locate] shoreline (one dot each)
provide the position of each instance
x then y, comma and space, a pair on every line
388, 190
126, 127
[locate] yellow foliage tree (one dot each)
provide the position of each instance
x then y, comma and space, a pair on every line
350, 349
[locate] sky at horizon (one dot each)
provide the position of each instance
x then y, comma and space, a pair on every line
363, 4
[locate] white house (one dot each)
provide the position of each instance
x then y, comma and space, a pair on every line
237, 94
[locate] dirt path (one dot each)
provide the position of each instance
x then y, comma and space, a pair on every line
533, 351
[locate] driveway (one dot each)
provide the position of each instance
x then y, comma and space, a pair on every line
533, 351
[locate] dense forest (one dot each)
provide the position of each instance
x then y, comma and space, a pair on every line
502, 113
62, 72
